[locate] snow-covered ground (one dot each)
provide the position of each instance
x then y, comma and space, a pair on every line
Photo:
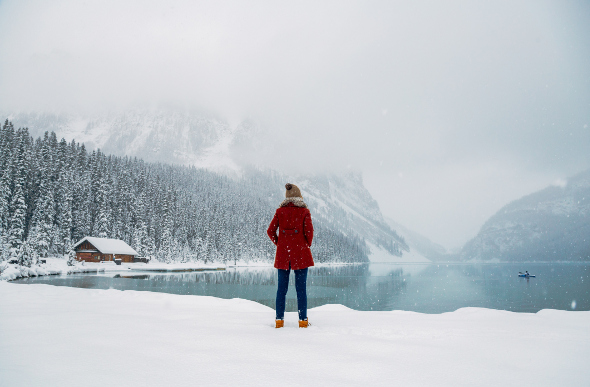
9, 272
60, 336
60, 266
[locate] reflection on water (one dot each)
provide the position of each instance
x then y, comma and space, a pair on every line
425, 288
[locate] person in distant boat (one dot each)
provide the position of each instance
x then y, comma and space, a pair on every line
526, 272
292, 220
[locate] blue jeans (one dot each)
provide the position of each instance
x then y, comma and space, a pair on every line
300, 287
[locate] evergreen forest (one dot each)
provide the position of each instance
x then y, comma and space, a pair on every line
54, 193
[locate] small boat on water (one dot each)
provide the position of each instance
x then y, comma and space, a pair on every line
525, 275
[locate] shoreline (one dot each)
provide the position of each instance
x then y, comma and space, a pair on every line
58, 266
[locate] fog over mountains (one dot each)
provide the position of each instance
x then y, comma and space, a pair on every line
196, 139
549, 225
166, 135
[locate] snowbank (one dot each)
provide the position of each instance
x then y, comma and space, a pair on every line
53, 266
60, 336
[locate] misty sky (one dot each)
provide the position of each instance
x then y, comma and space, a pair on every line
451, 109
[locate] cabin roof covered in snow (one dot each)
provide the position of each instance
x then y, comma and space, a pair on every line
109, 246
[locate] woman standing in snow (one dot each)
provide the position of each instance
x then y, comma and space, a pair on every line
293, 221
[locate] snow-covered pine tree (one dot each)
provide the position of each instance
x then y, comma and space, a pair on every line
151, 249
43, 229
166, 244
65, 214
42, 222
140, 231
6, 145
125, 194
82, 203
62, 203
27, 256
5, 174
103, 218
4, 247
6, 135
72, 261
4, 199
18, 208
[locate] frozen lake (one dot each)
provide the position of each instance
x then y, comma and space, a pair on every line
427, 288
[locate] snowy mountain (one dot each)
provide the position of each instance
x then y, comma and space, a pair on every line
165, 135
346, 202
550, 225
421, 245
193, 138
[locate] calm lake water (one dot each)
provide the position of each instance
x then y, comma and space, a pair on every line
428, 288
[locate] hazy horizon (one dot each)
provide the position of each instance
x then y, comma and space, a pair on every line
450, 110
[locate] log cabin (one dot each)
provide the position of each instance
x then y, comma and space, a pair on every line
91, 249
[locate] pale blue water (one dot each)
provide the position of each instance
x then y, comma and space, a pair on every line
428, 288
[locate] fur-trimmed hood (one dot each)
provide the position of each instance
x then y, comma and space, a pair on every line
297, 202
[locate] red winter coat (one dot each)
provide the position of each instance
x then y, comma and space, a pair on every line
294, 239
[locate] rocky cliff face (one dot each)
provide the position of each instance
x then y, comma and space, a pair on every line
549, 225
344, 200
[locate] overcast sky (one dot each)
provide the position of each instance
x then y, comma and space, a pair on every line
450, 109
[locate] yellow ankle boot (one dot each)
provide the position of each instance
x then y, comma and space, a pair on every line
279, 323
303, 323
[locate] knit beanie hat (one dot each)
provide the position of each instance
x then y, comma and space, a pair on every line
292, 191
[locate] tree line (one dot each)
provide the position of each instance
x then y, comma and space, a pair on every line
53, 193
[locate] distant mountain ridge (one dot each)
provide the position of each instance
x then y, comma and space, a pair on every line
156, 135
205, 141
421, 244
549, 225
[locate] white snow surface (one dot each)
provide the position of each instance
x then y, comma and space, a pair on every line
61, 336
109, 246
9, 272
56, 265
